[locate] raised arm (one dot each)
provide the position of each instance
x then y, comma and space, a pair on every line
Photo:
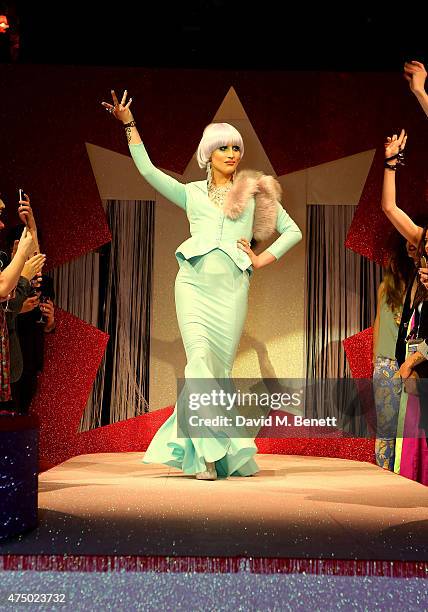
10, 275
416, 74
400, 220
27, 216
169, 187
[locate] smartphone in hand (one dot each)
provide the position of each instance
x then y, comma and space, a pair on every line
22, 198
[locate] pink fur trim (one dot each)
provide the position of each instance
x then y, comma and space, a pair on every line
267, 192
244, 187
266, 207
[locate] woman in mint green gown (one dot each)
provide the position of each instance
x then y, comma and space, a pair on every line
225, 212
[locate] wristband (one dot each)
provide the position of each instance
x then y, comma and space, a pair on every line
400, 161
391, 166
423, 349
130, 124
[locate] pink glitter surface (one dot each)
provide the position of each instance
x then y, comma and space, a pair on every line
72, 356
358, 449
359, 352
176, 564
132, 435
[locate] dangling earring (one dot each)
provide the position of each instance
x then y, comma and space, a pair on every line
209, 175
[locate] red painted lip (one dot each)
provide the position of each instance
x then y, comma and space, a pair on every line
230, 163
1, 225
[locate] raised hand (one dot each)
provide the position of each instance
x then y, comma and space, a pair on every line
48, 311
33, 266
26, 213
119, 110
30, 304
415, 73
395, 145
26, 244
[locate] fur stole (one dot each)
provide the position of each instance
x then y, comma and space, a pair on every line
266, 191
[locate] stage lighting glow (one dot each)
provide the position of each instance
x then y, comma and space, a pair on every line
3, 24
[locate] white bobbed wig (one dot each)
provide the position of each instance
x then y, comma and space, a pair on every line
217, 135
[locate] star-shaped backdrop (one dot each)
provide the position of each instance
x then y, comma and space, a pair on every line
334, 182
306, 120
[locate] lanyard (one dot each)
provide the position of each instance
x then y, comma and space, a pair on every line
410, 334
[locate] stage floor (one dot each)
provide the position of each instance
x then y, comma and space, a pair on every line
308, 507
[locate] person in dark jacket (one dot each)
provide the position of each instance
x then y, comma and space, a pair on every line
29, 321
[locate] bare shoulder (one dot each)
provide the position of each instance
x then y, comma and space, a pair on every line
381, 290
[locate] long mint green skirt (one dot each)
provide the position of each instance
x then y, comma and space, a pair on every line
211, 297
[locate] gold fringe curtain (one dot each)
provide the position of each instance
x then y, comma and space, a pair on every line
341, 290
112, 290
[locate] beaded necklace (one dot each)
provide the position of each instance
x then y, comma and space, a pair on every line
217, 193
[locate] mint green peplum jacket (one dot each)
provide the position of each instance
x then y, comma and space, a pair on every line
209, 227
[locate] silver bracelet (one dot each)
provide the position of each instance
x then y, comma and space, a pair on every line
423, 349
